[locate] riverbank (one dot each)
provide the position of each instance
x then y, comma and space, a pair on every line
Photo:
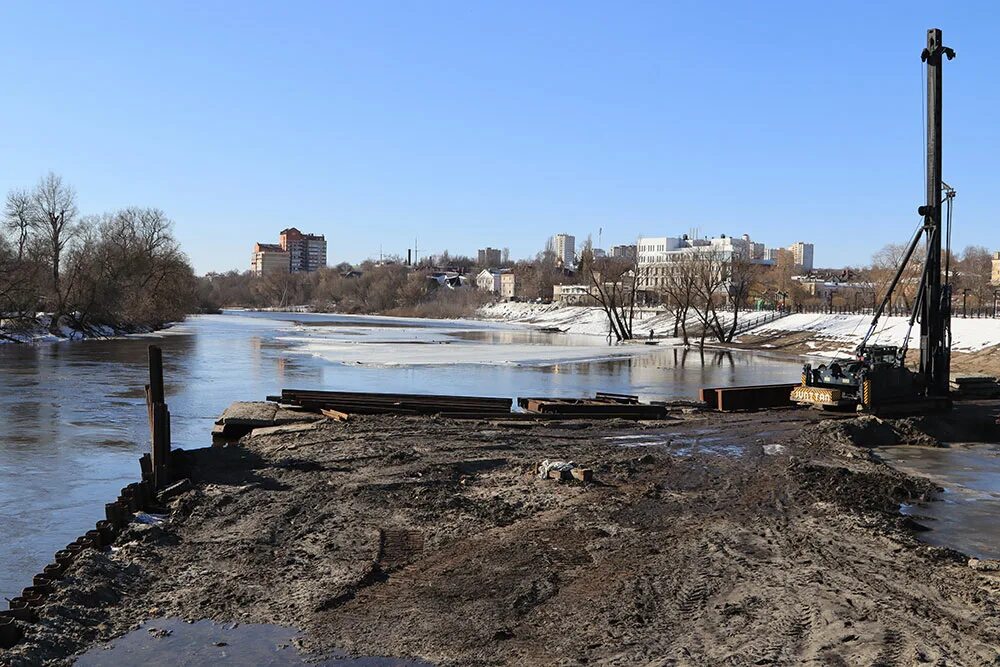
39, 330
975, 341
773, 537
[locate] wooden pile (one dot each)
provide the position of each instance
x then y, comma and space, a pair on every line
602, 406
346, 403
974, 386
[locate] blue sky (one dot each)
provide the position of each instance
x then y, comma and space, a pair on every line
466, 124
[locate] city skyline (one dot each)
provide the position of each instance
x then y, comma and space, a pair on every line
455, 134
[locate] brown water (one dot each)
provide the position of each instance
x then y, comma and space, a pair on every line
73, 414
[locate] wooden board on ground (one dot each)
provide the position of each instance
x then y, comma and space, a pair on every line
336, 415
286, 428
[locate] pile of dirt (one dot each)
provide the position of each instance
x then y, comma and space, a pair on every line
436, 539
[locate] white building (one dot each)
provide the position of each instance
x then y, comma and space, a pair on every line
658, 255
564, 246
803, 255
488, 280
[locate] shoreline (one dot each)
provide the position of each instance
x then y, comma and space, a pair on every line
42, 336
434, 539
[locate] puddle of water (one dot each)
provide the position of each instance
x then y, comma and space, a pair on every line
964, 516
700, 441
171, 642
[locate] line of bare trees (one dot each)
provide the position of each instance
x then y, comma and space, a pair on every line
698, 286
122, 270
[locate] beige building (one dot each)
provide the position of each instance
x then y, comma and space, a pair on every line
995, 276
573, 295
507, 285
269, 258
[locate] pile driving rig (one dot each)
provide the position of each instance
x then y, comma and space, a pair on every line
876, 379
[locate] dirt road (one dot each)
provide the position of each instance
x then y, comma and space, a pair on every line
699, 543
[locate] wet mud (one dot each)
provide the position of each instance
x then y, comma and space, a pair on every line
767, 538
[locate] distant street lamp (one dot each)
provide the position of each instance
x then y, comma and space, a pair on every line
965, 296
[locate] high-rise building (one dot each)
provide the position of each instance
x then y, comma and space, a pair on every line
803, 254
623, 252
269, 258
564, 247
307, 252
755, 249
489, 257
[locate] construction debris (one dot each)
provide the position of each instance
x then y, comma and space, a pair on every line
753, 397
974, 386
339, 405
602, 406
348, 403
242, 417
564, 470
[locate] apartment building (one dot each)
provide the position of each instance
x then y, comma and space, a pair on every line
306, 252
269, 258
489, 257
564, 247
803, 255
623, 252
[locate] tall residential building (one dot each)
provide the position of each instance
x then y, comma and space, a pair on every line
756, 249
564, 246
995, 278
307, 252
803, 254
623, 252
268, 258
489, 257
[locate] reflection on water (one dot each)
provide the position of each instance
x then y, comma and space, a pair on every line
964, 516
171, 641
74, 416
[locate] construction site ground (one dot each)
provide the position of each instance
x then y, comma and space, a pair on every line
707, 539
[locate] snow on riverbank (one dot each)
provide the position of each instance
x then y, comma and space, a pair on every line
586, 320
827, 330
40, 331
968, 335
592, 320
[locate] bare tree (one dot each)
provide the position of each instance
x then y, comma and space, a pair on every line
885, 262
54, 217
19, 219
614, 284
677, 287
710, 281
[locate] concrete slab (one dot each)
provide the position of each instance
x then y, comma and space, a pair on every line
249, 413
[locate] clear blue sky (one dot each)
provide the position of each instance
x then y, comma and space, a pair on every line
474, 123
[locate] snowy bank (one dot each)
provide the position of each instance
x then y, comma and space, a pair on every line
847, 331
39, 330
592, 320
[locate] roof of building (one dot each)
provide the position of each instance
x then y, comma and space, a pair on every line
268, 247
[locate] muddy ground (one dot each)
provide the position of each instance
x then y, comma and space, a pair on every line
697, 543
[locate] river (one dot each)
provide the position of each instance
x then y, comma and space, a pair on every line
74, 419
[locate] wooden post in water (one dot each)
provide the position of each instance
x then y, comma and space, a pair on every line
159, 420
